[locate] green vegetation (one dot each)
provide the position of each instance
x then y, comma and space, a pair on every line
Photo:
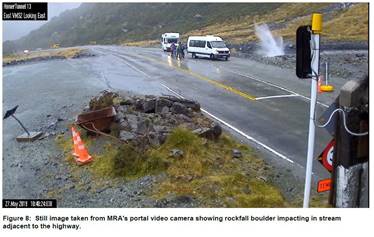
317, 200
342, 24
352, 24
141, 43
206, 171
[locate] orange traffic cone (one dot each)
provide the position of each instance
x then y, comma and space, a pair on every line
80, 151
76, 138
319, 84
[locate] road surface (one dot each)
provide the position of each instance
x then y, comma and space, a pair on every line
262, 105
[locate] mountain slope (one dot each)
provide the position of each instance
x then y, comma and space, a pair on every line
340, 23
108, 23
143, 23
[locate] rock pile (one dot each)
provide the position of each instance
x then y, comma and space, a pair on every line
147, 120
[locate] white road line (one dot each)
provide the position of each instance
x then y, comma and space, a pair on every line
237, 130
227, 124
132, 66
274, 85
275, 96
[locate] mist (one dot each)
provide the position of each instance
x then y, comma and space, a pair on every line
13, 30
270, 45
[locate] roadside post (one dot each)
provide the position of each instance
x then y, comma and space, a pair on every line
307, 66
347, 154
350, 163
315, 37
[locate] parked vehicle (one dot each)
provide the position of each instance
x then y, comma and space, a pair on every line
167, 39
207, 46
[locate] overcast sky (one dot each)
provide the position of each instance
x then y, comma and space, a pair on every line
16, 29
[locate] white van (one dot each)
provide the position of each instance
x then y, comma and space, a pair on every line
207, 46
167, 39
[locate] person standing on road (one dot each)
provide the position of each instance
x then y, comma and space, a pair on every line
180, 50
173, 49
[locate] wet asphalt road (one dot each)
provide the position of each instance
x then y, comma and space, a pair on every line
265, 103
49, 94
238, 92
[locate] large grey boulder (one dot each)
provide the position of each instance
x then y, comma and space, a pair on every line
145, 127
149, 106
119, 116
195, 106
179, 108
184, 118
161, 104
153, 139
132, 120
211, 133
165, 110
124, 124
126, 136
122, 108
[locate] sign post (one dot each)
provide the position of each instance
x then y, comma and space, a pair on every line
315, 37
27, 136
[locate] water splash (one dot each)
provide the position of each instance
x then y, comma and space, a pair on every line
270, 46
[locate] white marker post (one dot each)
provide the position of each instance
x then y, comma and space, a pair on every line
316, 30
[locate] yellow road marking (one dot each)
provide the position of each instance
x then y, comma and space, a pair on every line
204, 78
218, 84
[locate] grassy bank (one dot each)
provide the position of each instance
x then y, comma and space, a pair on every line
64, 53
349, 24
206, 171
142, 43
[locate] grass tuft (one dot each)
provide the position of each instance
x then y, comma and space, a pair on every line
206, 171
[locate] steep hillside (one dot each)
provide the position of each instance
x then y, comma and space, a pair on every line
143, 23
341, 23
107, 23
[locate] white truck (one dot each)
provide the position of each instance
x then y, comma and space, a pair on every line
207, 46
167, 39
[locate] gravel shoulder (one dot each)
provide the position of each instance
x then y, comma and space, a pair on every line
347, 60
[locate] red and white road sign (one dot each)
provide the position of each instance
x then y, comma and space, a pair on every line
327, 155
